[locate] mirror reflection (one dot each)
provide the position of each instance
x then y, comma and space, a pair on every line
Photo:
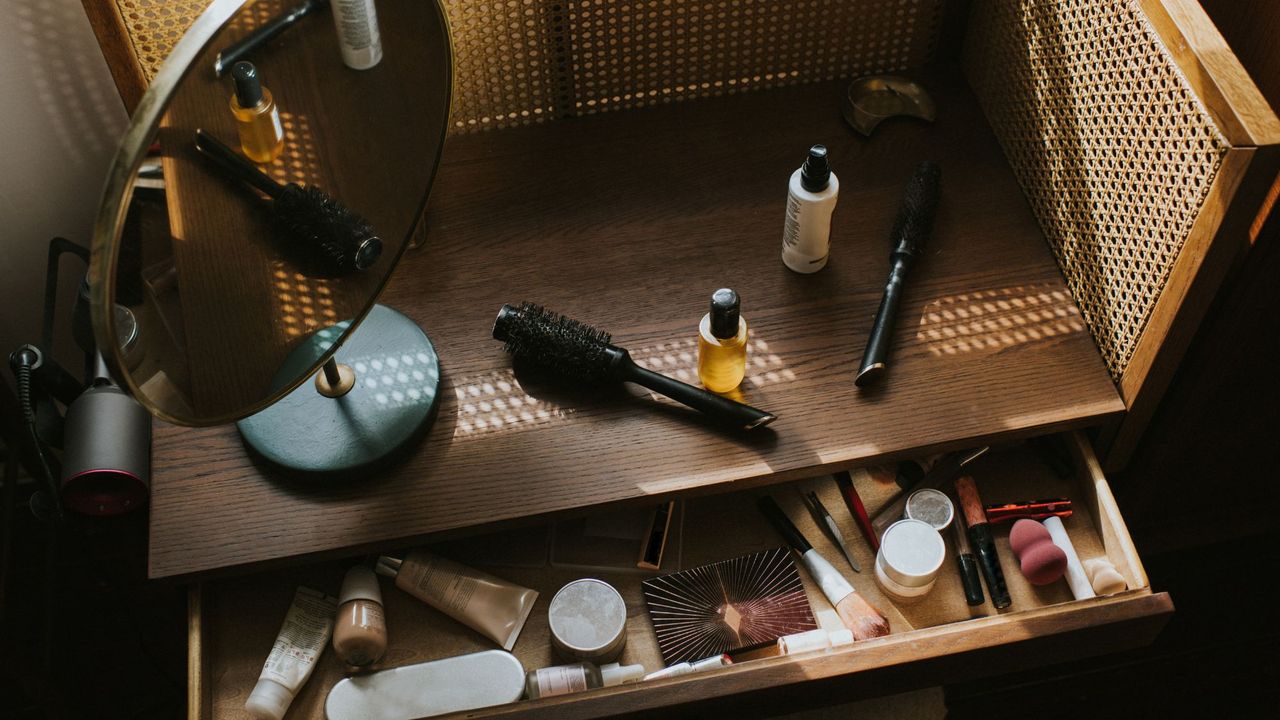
273, 201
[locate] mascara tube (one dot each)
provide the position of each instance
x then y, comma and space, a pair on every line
983, 542
968, 565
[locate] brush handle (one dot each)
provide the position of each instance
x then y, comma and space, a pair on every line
910, 231
274, 27
718, 407
235, 164
875, 356
780, 522
844, 481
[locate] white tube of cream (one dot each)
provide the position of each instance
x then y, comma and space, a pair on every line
302, 638
492, 607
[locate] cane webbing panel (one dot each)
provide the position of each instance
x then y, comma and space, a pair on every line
1112, 147
524, 61
154, 26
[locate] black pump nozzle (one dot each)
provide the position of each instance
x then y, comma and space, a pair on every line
248, 86
725, 311
816, 174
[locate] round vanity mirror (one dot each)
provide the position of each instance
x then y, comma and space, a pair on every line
254, 213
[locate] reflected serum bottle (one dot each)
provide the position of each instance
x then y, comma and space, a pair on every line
257, 117
722, 343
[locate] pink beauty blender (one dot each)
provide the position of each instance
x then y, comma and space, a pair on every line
1042, 561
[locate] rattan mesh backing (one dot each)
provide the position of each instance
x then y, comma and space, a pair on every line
1113, 149
524, 61
155, 26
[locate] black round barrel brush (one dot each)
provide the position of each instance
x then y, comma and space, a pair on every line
314, 228
581, 352
910, 231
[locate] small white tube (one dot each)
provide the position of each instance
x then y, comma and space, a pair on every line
804, 642
1081, 588
302, 638
685, 668
843, 636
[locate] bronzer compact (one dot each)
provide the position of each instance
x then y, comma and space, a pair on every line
250, 231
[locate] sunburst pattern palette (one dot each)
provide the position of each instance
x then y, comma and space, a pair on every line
727, 606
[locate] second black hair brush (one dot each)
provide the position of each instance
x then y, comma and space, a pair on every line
581, 352
317, 229
910, 231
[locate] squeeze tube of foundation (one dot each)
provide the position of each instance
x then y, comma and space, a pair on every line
492, 607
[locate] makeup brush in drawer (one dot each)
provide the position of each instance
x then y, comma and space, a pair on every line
910, 231
582, 353
855, 612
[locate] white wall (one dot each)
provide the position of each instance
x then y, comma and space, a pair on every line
60, 120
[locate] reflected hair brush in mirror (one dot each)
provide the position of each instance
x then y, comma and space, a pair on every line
580, 352
317, 231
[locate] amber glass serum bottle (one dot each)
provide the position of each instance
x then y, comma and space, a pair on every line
722, 343
261, 135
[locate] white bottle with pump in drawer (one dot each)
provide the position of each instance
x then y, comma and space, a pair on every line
811, 198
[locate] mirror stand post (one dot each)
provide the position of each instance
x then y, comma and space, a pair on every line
335, 380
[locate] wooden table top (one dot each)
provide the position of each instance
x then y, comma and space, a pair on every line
628, 221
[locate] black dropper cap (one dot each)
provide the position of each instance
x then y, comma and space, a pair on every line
725, 309
248, 86
816, 174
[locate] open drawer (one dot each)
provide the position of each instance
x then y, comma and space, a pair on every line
935, 640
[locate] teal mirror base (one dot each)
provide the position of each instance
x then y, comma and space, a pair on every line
390, 407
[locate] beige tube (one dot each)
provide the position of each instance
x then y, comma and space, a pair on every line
302, 638
492, 607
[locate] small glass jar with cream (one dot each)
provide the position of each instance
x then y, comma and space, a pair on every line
360, 633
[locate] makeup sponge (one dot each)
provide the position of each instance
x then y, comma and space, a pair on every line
1042, 561
1104, 577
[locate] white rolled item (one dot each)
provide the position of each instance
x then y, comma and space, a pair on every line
686, 668
1077, 580
804, 642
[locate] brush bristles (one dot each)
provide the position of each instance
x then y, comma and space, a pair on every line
324, 232
862, 618
542, 337
919, 205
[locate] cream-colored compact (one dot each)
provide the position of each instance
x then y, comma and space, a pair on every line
911, 552
588, 620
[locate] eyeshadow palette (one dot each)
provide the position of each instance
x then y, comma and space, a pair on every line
727, 606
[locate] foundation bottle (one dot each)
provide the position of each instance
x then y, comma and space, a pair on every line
257, 117
360, 633
722, 343
565, 679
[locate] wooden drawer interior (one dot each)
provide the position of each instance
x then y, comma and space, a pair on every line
234, 621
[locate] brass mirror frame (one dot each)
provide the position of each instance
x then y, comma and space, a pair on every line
118, 194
